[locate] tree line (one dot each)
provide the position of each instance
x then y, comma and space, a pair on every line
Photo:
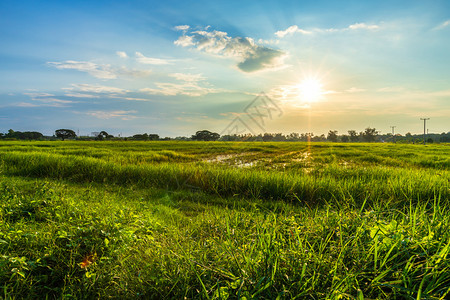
352, 136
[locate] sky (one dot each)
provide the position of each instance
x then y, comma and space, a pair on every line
176, 67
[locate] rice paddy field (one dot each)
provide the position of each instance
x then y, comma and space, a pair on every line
224, 220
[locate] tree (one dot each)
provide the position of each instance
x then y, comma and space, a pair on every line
332, 136
205, 135
345, 138
353, 136
267, 137
153, 137
140, 137
445, 137
30, 135
369, 134
293, 136
65, 134
26, 135
103, 135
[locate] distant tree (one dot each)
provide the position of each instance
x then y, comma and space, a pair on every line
294, 136
345, 138
26, 135
444, 137
65, 134
140, 137
353, 136
181, 138
332, 136
306, 137
267, 137
153, 137
369, 134
205, 135
430, 141
103, 135
319, 138
229, 137
30, 135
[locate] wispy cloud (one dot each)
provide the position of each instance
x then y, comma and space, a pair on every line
102, 71
150, 60
291, 30
182, 27
95, 88
294, 29
122, 54
45, 99
191, 85
365, 26
81, 95
37, 95
392, 89
253, 57
443, 25
122, 114
99, 91
27, 104
187, 77
355, 90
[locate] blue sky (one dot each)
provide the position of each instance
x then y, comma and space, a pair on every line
175, 67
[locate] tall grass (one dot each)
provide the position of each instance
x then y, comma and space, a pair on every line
106, 220
331, 183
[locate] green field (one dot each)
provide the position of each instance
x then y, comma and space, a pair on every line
218, 220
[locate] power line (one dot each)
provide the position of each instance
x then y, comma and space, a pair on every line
424, 128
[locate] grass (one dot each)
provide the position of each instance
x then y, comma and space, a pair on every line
224, 220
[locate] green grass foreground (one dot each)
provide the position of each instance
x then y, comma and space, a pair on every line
218, 220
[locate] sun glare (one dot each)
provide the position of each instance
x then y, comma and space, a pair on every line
310, 90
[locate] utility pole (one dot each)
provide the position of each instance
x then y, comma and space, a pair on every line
424, 130
393, 133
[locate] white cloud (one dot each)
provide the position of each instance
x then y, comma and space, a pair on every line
135, 99
81, 95
187, 77
97, 89
291, 30
27, 104
185, 41
122, 54
98, 71
253, 57
122, 114
46, 99
392, 89
102, 71
37, 95
355, 90
182, 27
363, 26
150, 60
295, 29
442, 25
191, 85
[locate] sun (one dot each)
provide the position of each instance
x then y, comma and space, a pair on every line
310, 90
